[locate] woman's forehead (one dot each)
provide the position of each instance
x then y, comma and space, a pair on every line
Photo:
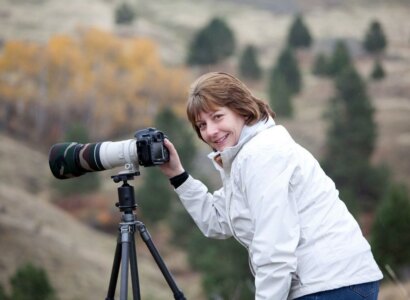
204, 113
208, 113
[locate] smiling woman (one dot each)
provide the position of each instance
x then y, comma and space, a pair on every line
276, 200
215, 90
220, 128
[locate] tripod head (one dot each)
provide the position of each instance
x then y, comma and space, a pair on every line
126, 196
124, 177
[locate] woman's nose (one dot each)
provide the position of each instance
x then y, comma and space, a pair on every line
211, 130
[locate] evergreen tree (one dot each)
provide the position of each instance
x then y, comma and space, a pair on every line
340, 59
288, 68
202, 50
361, 130
182, 224
320, 65
279, 95
182, 136
285, 80
248, 64
31, 283
390, 235
124, 13
375, 40
378, 71
157, 196
3, 295
212, 44
299, 35
180, 133
350, 142
224, 265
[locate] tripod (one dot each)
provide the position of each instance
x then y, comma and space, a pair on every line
125, 251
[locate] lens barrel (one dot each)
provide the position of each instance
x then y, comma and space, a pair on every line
69, 160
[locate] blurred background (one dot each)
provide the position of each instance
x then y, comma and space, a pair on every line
337, 73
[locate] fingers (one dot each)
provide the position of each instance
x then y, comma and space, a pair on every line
169, 145
174, 166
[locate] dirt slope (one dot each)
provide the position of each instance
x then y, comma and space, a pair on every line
77, 258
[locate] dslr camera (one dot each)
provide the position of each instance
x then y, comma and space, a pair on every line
150, 147
72, 159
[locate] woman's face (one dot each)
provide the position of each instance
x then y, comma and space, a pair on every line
220, 128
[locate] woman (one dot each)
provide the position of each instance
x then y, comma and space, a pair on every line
275, 200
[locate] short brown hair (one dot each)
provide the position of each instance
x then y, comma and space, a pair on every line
218, 89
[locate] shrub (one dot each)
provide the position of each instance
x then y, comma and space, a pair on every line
31, 283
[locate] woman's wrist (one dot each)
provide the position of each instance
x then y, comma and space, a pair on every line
178, 180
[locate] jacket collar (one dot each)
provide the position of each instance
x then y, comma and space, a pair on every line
228, 155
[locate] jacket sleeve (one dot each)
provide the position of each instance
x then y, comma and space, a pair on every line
266, 183
206, 209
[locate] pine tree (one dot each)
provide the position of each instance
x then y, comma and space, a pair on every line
285, 80
124, 14
378, 71
224, 265
31, 283
3, 295
288, 68
157, 196
350, 142
212, 44
248, 64
180, 134
340, 59
375, 40
279, 95
202, 50
299, 35
390, 234
321, 65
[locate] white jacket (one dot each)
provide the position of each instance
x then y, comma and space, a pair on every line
279, 204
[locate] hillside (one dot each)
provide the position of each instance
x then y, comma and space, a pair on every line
77, 258
264, 24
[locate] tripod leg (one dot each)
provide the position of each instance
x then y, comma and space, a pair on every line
134, 270
114, 272
125, 240
154, 252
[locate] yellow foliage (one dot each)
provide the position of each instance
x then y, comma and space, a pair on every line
110, 83
19, 65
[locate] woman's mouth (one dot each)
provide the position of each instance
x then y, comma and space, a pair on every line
221, 140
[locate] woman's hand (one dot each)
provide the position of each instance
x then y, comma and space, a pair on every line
174, 166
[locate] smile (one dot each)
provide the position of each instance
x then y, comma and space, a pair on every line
221, 140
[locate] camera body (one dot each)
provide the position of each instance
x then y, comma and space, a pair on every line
150, 147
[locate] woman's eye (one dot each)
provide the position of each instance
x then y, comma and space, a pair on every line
201, 126
217, 117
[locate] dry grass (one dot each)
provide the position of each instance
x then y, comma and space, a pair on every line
77, 258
